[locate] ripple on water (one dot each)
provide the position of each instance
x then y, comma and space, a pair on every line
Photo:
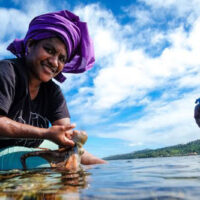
155, 178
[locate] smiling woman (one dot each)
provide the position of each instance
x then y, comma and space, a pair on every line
46, 59
29, 99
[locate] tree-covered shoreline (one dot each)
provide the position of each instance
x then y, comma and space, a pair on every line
191, 148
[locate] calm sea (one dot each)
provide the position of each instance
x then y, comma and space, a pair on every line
151, 178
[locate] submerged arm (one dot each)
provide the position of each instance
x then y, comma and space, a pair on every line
89, 159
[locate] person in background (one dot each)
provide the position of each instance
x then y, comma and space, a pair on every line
30, 100
197, 112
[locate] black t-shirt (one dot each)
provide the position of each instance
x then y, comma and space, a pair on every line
16, 104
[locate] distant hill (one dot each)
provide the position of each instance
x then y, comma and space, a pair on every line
191, 148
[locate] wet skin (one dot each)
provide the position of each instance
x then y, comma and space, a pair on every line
66, 158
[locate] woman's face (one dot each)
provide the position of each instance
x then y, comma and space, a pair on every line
46, 58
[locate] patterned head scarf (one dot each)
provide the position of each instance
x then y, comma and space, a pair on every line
73, 33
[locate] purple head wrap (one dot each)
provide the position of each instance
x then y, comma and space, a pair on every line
71, 30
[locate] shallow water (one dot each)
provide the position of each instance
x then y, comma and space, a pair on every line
152, 178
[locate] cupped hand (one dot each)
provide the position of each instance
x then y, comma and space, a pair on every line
60, 134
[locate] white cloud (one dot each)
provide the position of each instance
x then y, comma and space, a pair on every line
182, 6
37, 7
12, 22
135, 144
3, 51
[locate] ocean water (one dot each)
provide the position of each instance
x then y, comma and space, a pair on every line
145, 179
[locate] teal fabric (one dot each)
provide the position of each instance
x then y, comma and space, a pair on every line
10, 158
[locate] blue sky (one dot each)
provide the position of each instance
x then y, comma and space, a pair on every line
141, 92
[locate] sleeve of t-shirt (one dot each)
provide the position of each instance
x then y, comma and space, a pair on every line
58, 106
7, 86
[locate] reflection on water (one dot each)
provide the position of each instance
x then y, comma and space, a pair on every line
146, 179
42, 184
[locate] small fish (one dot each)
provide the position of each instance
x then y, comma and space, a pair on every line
65, 158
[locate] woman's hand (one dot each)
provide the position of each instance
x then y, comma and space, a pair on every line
60, 134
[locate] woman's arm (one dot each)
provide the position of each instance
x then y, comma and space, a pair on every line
87, 158
57, 134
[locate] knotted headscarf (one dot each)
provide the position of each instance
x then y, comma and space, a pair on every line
71, 30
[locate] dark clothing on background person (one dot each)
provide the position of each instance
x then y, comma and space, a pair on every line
197, 112
16, 104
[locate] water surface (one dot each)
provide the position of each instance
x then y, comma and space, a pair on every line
151, 178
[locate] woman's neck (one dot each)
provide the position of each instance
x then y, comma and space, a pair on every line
34, 86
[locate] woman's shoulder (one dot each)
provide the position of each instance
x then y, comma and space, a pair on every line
6, 63
6, 68
10, 61
14, 70
11, 64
